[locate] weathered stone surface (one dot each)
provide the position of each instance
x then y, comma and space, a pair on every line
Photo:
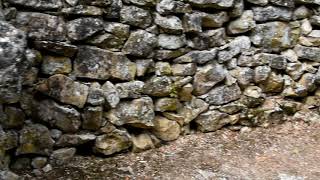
165, 129
213, 120
138, 113
271, 13
308, 53
64, 89
141, 142
275, 61
13, 44
163, 69
65, 118
316, 2
74, 139
41, 26
111, 95
302, 12
214, 20
39, 162
92, 118
207, 77
273, 84
192, 109
236, 46
243, 24
95, 95
62, 156
132, 89
169, 24
83, 11
261, 73
223, 94
56, 65
100, 3
35, 139
220, 4
83, 28
38, 4
144, 66
199, 57
159, 86
113, 142
244, 75
96, 63
107, 41
258, 2
135, 16
285, 3
59, 48
11, 117
167, 41
169, 6
140, 44
273, 36
8, 141
166, 104
192, 22
188, 69
9, 175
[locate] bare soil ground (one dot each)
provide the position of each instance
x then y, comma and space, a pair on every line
290, 151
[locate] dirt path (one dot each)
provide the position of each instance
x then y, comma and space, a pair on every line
287, 152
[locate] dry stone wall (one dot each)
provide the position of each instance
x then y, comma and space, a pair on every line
106, 76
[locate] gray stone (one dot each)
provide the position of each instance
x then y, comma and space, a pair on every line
243, 24
96, 95
169, 24
56, 65
59, 48
137, 113
8, 175
192, 109
120, 30
167, 41
12, 117
308, 53
83, 28
261, 73
144, 66
274, 36
188, 69
135, 16
96, 63
111, 95
82, 10
113, 10
295, 70
172, 6
192, 22
113, 142
166, 104
62, 156
12, 48
235, 47
199, 57
164, 54
140, 44
275, 61
271, 13
38, 4
65, 90
107, 41
223, 94
216, 37
285, 3
302, 12
158, 86
163, 69
41, 26
144, 2
35, 139
237, 8
219, 4
74, 139
141, 142
92, 118
165, 129
316, 2
132, 89
207, 77
100, 3
213, 120
8, 140
39, 162
65, 118
214, 20
258, 2
244, 75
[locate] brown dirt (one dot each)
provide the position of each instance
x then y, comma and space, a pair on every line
290, 151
